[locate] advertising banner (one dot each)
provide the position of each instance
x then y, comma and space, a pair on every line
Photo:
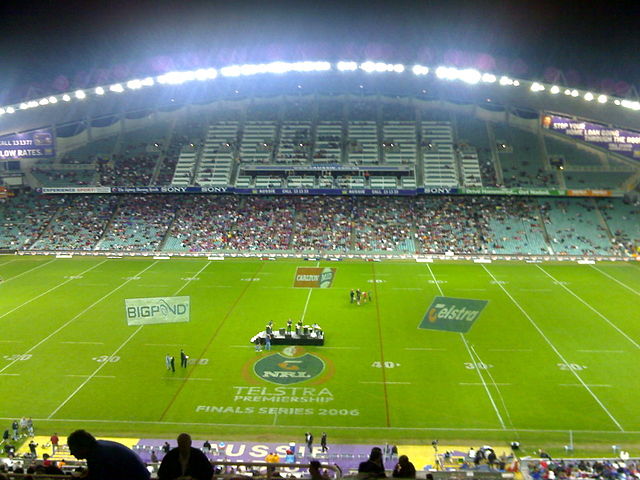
314, 277
617, 140
36, 144
452, 314
145, 311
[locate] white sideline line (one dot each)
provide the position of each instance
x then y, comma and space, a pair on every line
84, 343
464, 340
30, 270
615, 279
77, 316
7, 263
100, 367
427, 349
553, 347
50, 290
615, 327
510, 350
578, 385
95, 376
298, 428
161, 344
10, 374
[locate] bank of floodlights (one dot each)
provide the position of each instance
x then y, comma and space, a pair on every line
381, 67
469, 76
347, 66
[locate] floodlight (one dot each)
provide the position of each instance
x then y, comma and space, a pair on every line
148, 82
574, 93
602, 99
23, 106
398, 68
2, 111
230, 71
488, 78
617, 102
347, 66
537, 87
504, 81
11, 110
99, 91
66, 97
588, 96
134, 84
631, 105
53, 99
567, 91
368, 67
176, 78
420, 70
43, 101
117, 88
469, 75
442, 72
32, 104
206, 74
554, 90
80, 95
516, 83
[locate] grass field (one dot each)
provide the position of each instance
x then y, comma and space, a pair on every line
557, 349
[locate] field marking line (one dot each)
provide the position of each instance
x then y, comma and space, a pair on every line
11, 341
553, 347
510, 350
50, 290
299, 428
83, 376
304, 312
615, 280
7, 263
10, 374
614, 326
215, 334
382, 362
83, 343
477, 384
341, 348
484, 383
100, 367
464, 341
27, 271
493, 381
78, 315
161, 344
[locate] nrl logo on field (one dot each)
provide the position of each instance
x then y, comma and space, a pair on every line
290, 366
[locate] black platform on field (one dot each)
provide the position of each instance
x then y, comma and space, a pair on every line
293, 339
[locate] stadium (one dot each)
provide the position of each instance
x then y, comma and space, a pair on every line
455, 248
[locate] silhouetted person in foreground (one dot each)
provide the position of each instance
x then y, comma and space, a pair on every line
106, 460
185, 461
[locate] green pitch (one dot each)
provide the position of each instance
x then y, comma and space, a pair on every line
556, 349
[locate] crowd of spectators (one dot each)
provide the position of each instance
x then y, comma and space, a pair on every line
612, 469
427, 224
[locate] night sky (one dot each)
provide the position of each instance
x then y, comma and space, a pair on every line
55, 45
